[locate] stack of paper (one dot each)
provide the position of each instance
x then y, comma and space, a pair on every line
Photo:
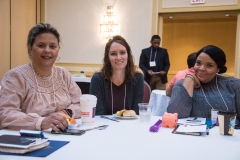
191, 126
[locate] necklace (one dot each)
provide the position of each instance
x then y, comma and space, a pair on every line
112, 96
39, 74
41, 93
218, 92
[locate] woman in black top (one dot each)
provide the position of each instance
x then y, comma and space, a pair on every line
118, 85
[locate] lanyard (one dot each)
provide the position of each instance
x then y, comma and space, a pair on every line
151, 55
218, 92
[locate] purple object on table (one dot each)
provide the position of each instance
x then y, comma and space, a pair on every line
156, 126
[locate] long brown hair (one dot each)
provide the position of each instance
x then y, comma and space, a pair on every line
107, 70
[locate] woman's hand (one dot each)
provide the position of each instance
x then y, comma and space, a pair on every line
197, 83
190, 82
53, 120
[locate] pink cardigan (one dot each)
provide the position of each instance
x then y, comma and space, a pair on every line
21, 104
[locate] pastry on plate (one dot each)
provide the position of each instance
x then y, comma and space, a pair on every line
129, 113
120, 113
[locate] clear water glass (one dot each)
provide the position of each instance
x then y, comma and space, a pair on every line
145, 112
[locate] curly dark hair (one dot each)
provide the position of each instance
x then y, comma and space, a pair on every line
107, 70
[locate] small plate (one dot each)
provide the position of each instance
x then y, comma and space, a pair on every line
73, 126
121, 117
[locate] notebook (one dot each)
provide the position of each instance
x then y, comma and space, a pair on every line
15, 141
23, 150
53, 146
192, 121
189, 129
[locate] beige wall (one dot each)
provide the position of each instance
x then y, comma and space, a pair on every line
186, 34
4, 37
79, 26
182, 37
82, 47
23, 18
18, 17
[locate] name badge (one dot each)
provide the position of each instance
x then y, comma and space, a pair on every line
152, 64
214, 116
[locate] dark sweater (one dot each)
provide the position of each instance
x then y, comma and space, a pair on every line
134, 91
197, 105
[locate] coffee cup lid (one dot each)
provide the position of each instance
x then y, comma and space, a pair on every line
88, 96
221, 112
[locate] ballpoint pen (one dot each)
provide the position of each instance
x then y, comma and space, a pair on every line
207, 131
210, 127
193, 120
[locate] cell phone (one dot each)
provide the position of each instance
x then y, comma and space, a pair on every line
70, 132
74, 132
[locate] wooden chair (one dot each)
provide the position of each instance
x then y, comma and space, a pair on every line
147, 93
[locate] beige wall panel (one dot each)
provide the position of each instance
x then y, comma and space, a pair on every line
182, 37
82, 40
4, 37
186, 3
165, 6
237, 55
154, 17
23, 18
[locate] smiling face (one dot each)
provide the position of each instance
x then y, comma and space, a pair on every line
205, 68
118, 56
44, 51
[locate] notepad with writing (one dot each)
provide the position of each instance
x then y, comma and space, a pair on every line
192, 121
189, 129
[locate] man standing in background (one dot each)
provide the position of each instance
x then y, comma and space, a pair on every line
154, 62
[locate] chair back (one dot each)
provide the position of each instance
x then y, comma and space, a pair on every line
147, 93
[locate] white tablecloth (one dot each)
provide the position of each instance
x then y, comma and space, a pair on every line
159, 102
131, 140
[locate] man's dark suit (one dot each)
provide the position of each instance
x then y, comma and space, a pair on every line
162, 63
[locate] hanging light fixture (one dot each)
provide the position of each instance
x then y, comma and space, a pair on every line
109, 28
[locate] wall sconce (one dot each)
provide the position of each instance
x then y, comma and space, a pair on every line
109, 28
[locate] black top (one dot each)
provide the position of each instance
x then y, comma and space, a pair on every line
118, 93
100, 89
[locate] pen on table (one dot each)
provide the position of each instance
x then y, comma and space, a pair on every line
207, 131
210, 127
190, 121
194, 119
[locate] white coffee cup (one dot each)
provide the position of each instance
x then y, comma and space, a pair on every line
88, 105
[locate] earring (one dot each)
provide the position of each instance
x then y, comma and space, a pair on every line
30, 55
58, 58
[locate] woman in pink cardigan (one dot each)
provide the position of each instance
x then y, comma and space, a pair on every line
37, 95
